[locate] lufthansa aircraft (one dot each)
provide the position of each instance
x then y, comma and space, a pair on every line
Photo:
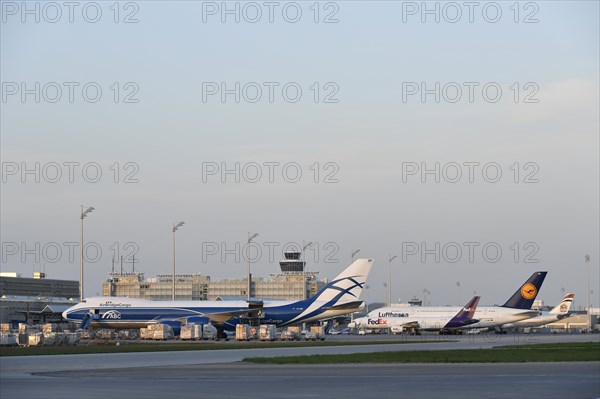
398, 321
340, 296
518, 307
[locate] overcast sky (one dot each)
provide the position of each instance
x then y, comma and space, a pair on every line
331, 124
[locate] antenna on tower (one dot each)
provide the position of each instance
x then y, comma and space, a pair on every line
121, 265
133, 264
113, 265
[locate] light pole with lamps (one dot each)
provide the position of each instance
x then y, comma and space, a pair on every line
354, 254
175, 227
83, 215
250, 238
391, 258
304, 248
589, 318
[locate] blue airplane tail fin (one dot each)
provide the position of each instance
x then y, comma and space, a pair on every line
523, 298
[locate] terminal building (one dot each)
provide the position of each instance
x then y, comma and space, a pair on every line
35, 300
134, 285
293, 283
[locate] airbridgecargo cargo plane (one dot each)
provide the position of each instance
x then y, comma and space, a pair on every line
415, 318
339, 297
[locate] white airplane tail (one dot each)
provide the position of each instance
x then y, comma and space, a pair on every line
564, 305
339, 296
348, 285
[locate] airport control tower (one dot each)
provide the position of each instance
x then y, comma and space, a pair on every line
293, 269
292, 263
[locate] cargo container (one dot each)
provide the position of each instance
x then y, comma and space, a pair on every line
197, 330
144, 334
52, 338
294, 329
209, 331
243, 332
268, 332
87, 334
36, 339
70, 338
289, 335
51, 327
188, 332
23, 339
8, 339
162, 331
106, 334
128, 334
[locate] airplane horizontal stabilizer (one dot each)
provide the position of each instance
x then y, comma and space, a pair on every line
347, 306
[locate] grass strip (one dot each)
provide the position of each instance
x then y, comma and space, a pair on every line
559, 352
164, 347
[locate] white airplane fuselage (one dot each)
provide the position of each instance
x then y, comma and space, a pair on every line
543, 319
488, 316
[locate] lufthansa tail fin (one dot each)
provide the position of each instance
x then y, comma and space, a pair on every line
465, 316
524, 297
564, 305
348, 285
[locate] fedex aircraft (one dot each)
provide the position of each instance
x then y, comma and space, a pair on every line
397, 322
518, 307
559, 312
340, 296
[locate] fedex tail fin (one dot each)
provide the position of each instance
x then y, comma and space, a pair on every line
524, 297
564, 305
465, 316
348, 285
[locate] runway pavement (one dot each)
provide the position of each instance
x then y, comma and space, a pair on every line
216, 374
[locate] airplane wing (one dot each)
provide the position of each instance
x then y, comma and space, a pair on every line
221, 317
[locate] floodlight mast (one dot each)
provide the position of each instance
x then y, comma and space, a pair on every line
249, 285
175, 227
82, 216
